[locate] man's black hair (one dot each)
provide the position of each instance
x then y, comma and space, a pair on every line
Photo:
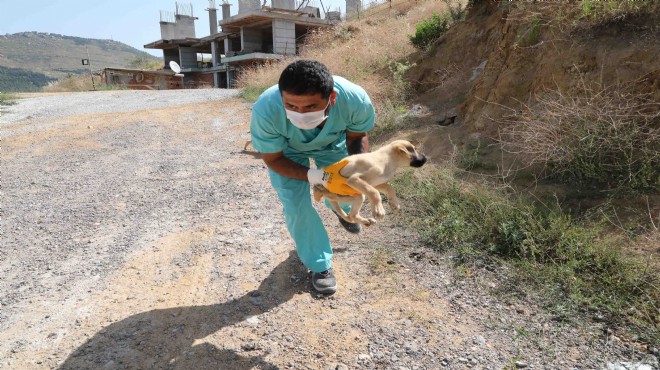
306, 77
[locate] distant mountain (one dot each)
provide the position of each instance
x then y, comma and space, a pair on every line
29, 60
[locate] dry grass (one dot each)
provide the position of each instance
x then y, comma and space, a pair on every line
74, 83
603, 136
361, 50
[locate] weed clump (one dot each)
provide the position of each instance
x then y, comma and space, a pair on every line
576, 263
7, 99
607, 138
72, 82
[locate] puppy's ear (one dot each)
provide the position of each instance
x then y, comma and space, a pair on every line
403, 152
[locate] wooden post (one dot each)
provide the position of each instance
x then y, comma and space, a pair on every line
89, 63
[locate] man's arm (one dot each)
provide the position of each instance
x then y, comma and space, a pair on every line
357, 142
284, 166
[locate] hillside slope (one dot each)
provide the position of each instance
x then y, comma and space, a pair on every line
50, 56
498, 61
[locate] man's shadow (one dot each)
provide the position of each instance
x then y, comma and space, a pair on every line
164, 339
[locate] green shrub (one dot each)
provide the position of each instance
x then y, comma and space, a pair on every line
430, 30
573, 261
603, 11
145, 62
532, 34
251, 93
7, 99
457, 13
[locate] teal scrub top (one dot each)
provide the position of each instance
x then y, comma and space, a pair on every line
272, 132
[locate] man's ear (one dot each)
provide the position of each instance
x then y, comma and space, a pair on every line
333, 97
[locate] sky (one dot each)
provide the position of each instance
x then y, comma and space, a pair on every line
133, 22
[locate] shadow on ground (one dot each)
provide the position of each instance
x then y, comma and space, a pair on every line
165, 338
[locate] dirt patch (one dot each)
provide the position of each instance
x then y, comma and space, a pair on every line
152, 239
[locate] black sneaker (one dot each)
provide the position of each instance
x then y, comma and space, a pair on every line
324, 282
349, 226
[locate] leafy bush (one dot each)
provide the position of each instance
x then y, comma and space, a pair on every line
430, 30
7, 99
145, 62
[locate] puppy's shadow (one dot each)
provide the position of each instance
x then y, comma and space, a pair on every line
164, 338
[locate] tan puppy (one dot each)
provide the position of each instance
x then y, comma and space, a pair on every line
368, 173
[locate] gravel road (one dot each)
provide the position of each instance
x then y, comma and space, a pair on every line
139, 231
58, 105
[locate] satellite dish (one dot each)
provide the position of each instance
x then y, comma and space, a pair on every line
176, 68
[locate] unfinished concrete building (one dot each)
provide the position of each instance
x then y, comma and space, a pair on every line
353, 8
257, 33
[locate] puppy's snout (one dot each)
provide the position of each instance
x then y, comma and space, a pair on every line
418, 160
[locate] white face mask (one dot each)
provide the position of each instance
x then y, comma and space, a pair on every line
309, 120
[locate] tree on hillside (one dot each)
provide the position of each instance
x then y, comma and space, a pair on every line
143, 62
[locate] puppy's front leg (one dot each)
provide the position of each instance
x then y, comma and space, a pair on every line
391, 196
372, 193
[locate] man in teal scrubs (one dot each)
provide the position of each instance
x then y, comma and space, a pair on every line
310, 114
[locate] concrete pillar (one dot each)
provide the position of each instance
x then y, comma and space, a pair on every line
284, 4
213, 20
251, 39
227, 45
284, 37
225, 10
353, 8
214, 63
185, 27
333, 16
166, 30
246, 6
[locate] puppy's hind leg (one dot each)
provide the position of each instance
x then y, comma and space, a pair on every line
334, 199
337, 208
354, 216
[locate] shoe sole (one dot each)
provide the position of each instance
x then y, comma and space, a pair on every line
347, 225
325, 291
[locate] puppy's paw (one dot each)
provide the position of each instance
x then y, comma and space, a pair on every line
395, 206
370, 221
379, 212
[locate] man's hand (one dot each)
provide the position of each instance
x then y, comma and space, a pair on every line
331, 178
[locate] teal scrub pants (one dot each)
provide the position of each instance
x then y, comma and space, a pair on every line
302, 220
